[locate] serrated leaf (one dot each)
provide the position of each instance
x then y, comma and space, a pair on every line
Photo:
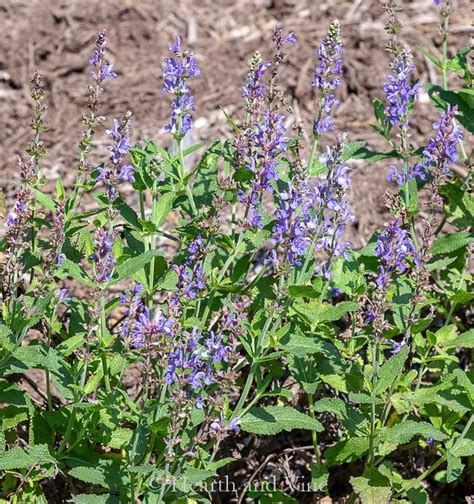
134, 264
374, 489
463, 448
120, 437
351, 148
404, 432
346, 450
454, 469
319, 478
301, 345
451, 242
73, 270
163, 208
330, 313
89, 475
465, 340
271, 420
390, 371
95, 499
23, 458
296, 291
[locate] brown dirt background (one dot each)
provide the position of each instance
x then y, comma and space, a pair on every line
57, 36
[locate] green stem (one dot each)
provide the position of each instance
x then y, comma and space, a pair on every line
314, 434
182, 176
246, 389
70, 423
103, 331
445, 51
373, 412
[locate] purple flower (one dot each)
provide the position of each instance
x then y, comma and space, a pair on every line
315, 214
217, 426
192, 363
326, 77
127, 173
102, 69
216, 349
191, 279
254, 89
114, 175
64, 296
441, 151
121, 141
138, 325
437, 2
176, 71
103, 258
399, 90
60, 259
396, 346
369, 316
266, 141
394, 248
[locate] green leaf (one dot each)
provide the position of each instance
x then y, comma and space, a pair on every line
373, 156
351, 149
451, 242
346, 450
463, 448
390, 371
163, 208
134, 264
120, 437
271, 420
454, 469
319, 478
302, 346
297, 291
465, 340
89, 475
45, 200
330, 313
374, 489
379, 110
403, 432
95, 499
73, 270
19, 458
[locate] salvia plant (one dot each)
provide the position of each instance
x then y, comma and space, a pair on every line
201, 303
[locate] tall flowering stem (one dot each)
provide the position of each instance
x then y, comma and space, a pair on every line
327, 78
101, 70
21, 232
263, 134
176, 72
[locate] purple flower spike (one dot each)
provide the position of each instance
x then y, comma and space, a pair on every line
176, 71
399, 90
394, 248
441, 151
326, 77
102, 257
102, 69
